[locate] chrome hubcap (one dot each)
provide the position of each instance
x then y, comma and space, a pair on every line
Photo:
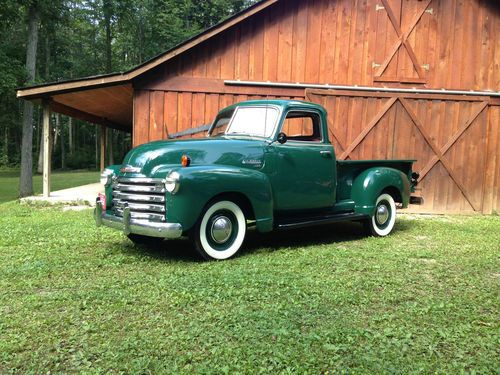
221, 229
382, 214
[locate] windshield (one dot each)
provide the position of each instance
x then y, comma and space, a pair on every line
221, 122
258, 121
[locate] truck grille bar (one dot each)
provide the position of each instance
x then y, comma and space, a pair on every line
144, 196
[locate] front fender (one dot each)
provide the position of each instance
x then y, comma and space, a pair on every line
198, 185
368, 185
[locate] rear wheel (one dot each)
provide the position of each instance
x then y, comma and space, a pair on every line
220, 231
383, 220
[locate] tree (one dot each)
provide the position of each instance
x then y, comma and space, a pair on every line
80, 38
26, 179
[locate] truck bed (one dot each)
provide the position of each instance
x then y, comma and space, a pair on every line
347, 170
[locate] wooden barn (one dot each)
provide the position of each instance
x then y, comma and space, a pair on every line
399, 78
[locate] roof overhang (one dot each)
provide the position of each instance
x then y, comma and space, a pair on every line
108, 99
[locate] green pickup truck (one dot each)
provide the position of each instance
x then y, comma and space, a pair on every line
266, 163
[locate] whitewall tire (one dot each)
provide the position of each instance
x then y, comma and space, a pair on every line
220, 232
382, 222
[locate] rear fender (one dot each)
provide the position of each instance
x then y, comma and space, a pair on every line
369, 184
198, 185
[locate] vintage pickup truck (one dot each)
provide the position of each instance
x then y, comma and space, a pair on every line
267, 163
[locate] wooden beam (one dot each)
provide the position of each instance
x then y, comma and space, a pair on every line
46, 148
217, 86
75, 113
399, 79
50, 89
410, 95
103, 147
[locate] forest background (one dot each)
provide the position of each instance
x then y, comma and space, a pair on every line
52, 40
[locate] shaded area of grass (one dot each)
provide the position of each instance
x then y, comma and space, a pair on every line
74, 298
9, 182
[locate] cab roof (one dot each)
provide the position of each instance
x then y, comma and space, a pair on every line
284, 104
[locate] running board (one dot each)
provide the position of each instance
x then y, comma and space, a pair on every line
311, 221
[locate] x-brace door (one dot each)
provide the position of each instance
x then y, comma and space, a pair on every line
403, 17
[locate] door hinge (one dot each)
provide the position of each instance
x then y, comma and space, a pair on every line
426, 67
375, 65
379, 7
430, 11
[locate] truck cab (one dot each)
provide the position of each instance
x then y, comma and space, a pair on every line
268, 163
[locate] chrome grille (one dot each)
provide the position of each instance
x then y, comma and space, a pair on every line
144, 196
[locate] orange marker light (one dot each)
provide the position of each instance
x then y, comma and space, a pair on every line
185, 161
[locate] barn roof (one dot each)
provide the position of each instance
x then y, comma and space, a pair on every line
107, 99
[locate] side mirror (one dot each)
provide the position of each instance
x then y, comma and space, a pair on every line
282, 138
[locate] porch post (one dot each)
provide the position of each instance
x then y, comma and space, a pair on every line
46, 148
103, 147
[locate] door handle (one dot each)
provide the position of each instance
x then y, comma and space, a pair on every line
326, 154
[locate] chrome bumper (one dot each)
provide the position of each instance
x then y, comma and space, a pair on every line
129, 225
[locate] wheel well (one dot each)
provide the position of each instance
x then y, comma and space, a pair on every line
240, 199
394, 193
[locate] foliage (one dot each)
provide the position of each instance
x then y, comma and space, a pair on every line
9, 181
73, 43
77, 299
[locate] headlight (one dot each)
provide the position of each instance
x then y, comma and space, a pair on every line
106, 176
172, 182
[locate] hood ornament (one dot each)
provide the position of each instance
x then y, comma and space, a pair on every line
129, 169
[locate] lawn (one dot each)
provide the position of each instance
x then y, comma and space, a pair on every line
9, 182
74, 298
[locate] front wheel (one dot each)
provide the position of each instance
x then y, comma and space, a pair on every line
383, 220
220, 231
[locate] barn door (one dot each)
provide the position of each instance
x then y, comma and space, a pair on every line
446, 134
403, 33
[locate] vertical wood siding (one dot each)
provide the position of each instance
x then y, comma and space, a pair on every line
159, 114
344, 41
450, 44
455, 142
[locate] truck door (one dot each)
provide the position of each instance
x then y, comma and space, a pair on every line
304, 166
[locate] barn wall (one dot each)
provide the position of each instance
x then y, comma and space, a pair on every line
162, 114
453, 43
434, 44
350, 42
454, 139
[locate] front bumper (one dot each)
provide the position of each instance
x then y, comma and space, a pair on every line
142, 227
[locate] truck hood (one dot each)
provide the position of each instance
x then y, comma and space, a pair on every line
156, 159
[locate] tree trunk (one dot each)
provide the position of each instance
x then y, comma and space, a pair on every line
39, 168
26, 178
63, 149
47, 58
6, 145
57, 130
108, 10
70, 135
96, 149
110, 146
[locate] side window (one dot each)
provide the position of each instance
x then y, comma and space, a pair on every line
302, 126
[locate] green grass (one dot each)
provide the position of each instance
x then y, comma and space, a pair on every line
74, 298
9, 182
